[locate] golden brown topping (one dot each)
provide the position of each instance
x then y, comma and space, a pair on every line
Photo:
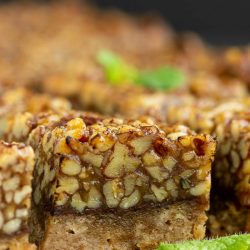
120, 164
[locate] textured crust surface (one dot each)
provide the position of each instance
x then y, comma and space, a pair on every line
120, 164
141, 229
16, 243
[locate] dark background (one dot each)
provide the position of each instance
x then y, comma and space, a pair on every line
219, 22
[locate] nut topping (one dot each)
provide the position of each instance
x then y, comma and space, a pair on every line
68, 185
160, 193
70, 167
77, 202
113, 193
130, 201
12, 226
119, 164
141, 145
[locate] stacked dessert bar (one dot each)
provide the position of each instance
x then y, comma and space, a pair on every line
115, 180
138, 172
111, 173
227, 119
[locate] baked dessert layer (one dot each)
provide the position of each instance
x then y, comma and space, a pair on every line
140, 229
116, 167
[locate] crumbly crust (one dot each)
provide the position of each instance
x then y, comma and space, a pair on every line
142, 229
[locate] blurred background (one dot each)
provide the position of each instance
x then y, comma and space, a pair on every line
219, 22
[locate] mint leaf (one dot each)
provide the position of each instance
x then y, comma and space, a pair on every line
164, 78
234, 242
116, 70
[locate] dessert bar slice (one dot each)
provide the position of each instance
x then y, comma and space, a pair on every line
228, 120
17, 110
117, 184
230, 123
129, 99
16, 168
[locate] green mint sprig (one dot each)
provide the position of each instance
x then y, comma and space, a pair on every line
233, 242
115, 69
117, 72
